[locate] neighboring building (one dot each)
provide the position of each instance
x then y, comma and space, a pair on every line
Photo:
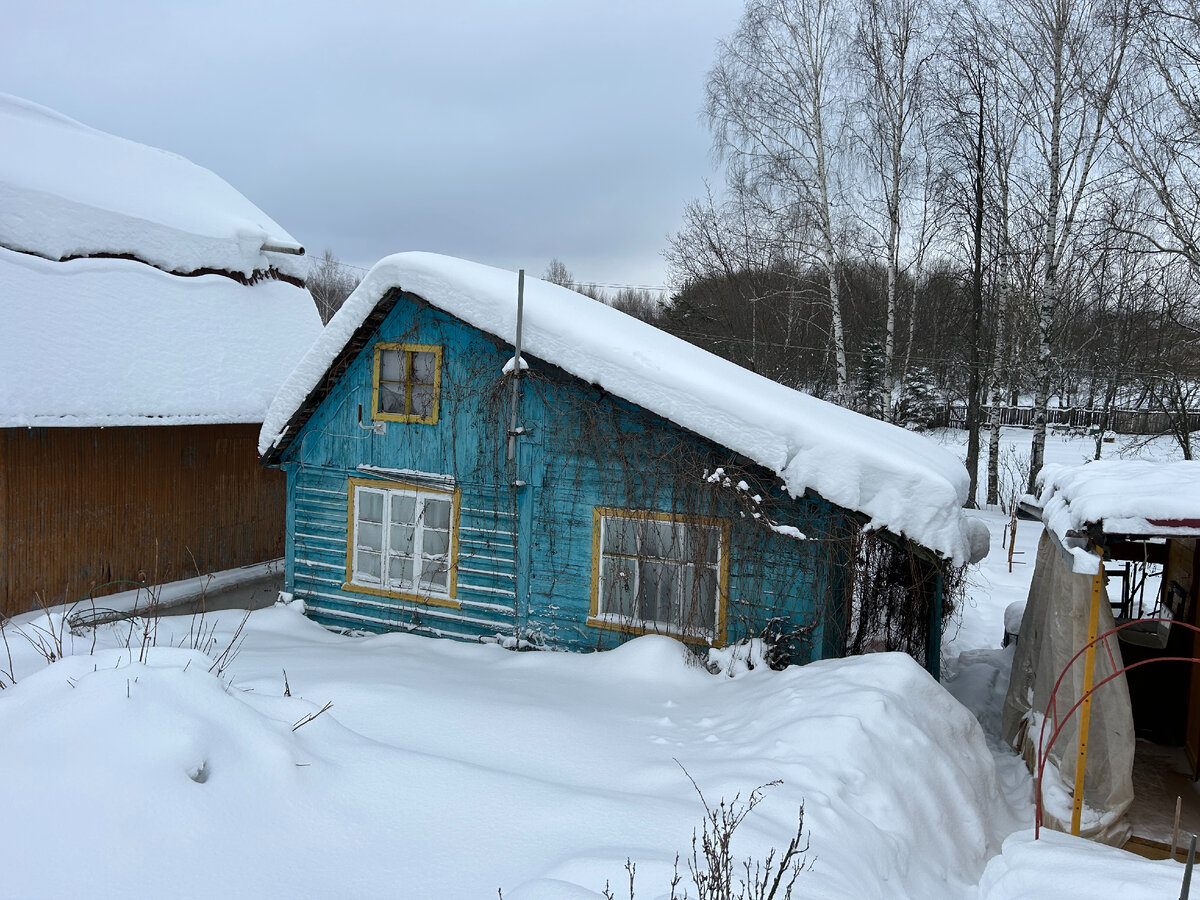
1117, 568
149, 314
619, 481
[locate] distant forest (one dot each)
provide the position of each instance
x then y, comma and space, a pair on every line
973, 203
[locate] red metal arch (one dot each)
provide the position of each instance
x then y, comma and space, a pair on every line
1043, 753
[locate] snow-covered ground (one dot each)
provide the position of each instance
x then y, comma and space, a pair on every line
136, 766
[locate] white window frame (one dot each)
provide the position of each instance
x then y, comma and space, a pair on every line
604, 618
428, 592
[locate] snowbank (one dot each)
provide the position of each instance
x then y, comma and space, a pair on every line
1070, 868
108, 342
902, 481
1134, 497
445, 769
68, 190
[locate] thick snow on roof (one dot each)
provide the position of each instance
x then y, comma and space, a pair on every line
67, 190
116, 342
1123, 496
902, 481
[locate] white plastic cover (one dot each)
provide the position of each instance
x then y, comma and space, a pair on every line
1053, 629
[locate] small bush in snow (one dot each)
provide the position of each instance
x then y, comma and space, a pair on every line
1014, 476
714, 869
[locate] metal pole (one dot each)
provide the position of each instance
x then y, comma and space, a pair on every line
516, 373
1187, 873
1012, 540
1085, 712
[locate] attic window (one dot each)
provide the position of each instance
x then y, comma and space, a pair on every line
659, 573
407, 382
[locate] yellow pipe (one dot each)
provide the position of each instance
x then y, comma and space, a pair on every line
1085, 712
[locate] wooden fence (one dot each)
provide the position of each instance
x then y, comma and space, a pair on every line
1122, 421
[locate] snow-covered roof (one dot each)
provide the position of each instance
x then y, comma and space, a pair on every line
902, 481
95, 329
1138, 498
67, 190
114, 342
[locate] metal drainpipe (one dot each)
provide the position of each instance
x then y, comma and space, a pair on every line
515, 482
516, 374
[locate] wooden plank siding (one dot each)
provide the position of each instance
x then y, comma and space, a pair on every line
486, 585
589, 449
82, 508
525, 529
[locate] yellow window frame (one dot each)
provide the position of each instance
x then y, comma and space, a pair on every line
384, 485
407, 350
597, 620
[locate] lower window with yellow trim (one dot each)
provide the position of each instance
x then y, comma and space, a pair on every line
660, 572
402, 540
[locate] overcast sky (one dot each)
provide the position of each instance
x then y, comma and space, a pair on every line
507, 133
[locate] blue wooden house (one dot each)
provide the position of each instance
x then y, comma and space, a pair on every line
609, 481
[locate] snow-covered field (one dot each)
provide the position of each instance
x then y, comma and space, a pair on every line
136, 767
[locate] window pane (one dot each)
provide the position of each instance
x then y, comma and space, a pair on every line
400, 569
370, 536
435, 574
657, 588
616, 587
658, 540
436, 542
390, 367
620, 535
424, 365
696, 609
401, 538
422, 400
700, 545
370, 506
404, 508
391, 399
366, 566
703, 601
437, 513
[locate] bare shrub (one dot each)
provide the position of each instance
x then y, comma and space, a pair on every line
330, 283
1014, 477
714, 868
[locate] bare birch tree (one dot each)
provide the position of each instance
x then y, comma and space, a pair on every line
891, 54
1065, 57
777, 117
1156, 120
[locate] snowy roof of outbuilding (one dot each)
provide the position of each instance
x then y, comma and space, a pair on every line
96, 330
1133, 498
105, 342
902, 481
67, 190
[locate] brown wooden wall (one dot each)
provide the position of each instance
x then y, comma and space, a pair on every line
80, 507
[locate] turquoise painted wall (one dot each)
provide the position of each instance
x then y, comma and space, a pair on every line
525, 564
